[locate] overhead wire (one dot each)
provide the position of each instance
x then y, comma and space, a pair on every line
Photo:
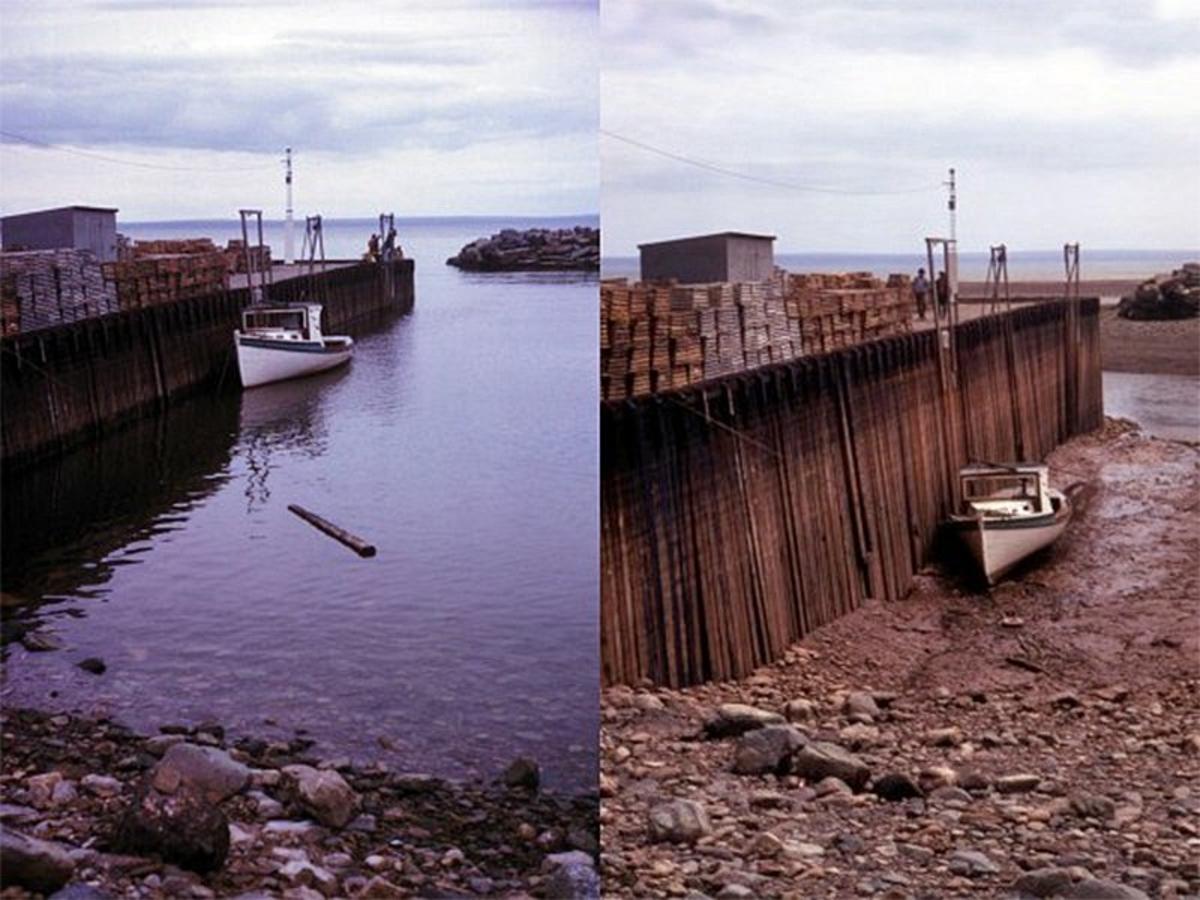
746, 176
131, 162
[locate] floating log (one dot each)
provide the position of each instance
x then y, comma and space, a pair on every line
355, 543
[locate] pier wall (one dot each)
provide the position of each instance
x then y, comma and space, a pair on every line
741, 514
61, 385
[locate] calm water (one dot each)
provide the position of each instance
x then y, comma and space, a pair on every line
1166, 406
462, 441
972, 266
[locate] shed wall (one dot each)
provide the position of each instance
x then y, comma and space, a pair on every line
39, 231
96, 231
749, 259
691, 261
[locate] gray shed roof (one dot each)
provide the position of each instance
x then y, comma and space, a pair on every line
35, 212
705, 237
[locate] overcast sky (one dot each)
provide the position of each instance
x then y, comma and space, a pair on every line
434, 108
1066, 121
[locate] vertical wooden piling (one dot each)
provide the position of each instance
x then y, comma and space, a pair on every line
740, 514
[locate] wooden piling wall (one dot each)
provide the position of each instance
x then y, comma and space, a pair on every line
739, 515
60, 386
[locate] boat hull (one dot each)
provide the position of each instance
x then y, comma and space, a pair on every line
998, 545
266, 361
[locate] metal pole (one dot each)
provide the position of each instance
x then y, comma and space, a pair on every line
289, 245
952, 205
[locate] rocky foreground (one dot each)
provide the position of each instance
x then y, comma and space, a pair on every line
536, 249
1174, 296
1042, 740
91, 810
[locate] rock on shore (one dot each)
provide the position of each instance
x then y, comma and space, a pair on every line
88, 804
536, 249
918, 761
1174, 296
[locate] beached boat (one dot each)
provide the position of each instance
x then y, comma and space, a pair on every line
1008, 512
276, 343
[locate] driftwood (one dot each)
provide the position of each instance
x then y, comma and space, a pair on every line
355, 543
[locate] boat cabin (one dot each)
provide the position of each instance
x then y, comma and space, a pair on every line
283, 323
1005, 490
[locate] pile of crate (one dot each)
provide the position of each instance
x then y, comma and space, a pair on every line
235, 256
151, 279
654, 337
173, 247
43, 288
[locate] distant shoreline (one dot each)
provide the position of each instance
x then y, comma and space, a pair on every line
412, 220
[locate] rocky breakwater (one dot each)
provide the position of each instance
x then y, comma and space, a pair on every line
91, 809
1174, 296
533, 250
1042, 740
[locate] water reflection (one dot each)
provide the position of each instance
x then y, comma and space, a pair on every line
1166, 406
70, 523
461, 441
277, 420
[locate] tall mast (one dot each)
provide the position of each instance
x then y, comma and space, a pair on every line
289, 244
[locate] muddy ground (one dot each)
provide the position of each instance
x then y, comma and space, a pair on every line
1157, 348
1044, 736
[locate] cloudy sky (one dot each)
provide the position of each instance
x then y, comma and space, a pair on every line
433, 108
1066, 121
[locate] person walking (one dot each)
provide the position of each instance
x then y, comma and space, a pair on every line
920, 289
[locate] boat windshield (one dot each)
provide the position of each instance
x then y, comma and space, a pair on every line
275, 320
1002, 487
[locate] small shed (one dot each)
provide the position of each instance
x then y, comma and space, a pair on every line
726, 256
91, 228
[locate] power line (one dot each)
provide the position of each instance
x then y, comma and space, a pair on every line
130, 162
721, 170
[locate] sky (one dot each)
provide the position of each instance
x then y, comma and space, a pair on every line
1065, 121
437, 108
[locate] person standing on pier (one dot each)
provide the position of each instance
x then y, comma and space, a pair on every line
942, 290
920, 289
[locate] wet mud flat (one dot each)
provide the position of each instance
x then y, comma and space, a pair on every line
1041, 739
91, 805
1170, 347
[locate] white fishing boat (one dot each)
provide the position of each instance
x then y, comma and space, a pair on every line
1008, 512
276, 343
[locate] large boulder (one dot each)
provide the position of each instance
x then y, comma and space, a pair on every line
1174, 296
208, 770
821, 759
767, 750
523, 772
1102, 889
537, 249
184, 828
733, 719
1044, 882
322, 793
679, 822
33, 864
570, 876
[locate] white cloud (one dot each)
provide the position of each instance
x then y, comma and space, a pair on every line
1086, 103
450, 108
